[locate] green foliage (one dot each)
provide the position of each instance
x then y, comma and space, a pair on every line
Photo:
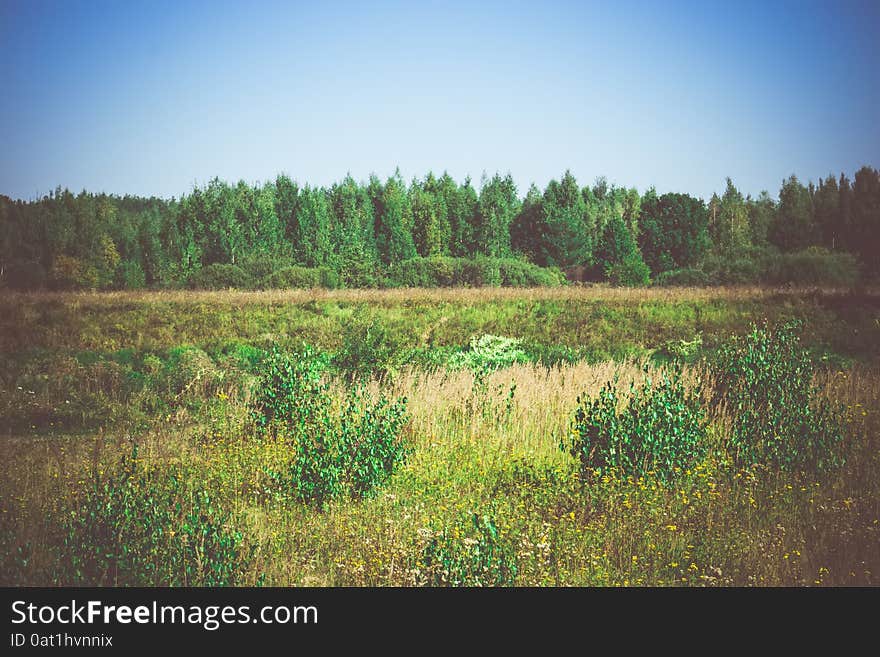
813, 266
630, 272
659, 428
188, 373
489, 352
221, 277
685, 351
69, 273
145, 526
778, 416
673, 231
682, 278
370, 348
293, 278
97, 241
517, 273
332, 452
793, 227
260, 267
472, 553
741, 270
130, 275
470, 272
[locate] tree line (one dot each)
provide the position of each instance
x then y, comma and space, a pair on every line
361, 233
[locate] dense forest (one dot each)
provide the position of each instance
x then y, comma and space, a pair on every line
436, 231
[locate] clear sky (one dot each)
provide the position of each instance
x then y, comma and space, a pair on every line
151, 98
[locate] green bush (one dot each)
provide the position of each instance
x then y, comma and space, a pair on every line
220, 277
329, 278
332, 452
630, 272
778, 416
293, 277
813, 266
143, 526
358, 272
659, 428
24, 275
722, 270
489, 352
424, 272
517, 273
443, 271
682, 278
188, 373
261, 267
473, 553
370, 348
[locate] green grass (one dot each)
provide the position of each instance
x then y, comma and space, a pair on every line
86, 377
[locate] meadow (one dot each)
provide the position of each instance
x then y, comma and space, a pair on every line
568, 436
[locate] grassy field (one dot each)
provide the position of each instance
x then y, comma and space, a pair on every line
128, 424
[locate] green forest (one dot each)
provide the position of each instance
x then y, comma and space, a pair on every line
435, 231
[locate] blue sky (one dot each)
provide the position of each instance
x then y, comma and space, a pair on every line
152, 98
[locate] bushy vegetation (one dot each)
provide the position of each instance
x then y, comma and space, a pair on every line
293, 277
489, 352
220, 277
658, 428
464, 272
288, 469
140, 525
688, 277
765, 383
472, 553
332, 452
813, 266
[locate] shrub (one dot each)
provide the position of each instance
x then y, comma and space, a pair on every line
471, 553
683, 350
489, 352
263, 266
682, 278
722, 270
24, 275
442, 271
332, 452
220, 277
293, 277
69, 273
424, 272
516, 273
778, 416
358, 272
329, 278
660, 428
813, 266
630, 272
369, 348
142, 526
189, 372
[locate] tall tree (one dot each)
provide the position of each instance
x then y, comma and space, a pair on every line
866, 217
793, 226
497, 206
729, 228
674, 230
393, 219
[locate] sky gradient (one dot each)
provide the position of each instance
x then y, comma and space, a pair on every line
152, 98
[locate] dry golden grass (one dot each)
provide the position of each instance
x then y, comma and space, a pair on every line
450, 295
